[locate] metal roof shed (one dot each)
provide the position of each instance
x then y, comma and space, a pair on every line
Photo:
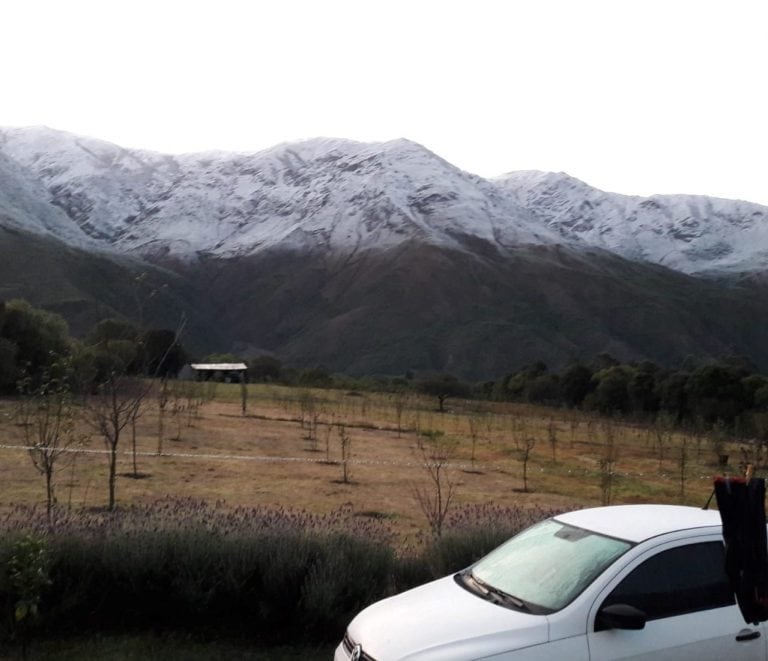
219, 367
240, 368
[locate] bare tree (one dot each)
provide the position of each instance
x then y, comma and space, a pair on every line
606, 480
552, 437
178, 409
399, 404
109, 411
718, 437
435, 494
519, 429
328, 430
118, 399
162, 404
525, 447
683, 466
193, 393
574, 425
345, 444
50, 431
607, 463
662, 430
307, 407
313, 424
243, 393
591, 422
474, 432
134, 453
182, 399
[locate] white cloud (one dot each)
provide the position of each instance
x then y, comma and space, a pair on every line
636, 97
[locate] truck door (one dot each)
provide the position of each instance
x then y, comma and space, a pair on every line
690, 611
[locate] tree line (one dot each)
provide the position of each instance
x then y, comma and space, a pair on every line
728, 391
33, 340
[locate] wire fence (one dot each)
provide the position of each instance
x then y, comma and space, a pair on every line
248, 457
476, 467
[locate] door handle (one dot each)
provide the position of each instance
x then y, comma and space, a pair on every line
747, 634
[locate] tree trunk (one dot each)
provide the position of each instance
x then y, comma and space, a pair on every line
112, 473
133, 437
49, 493
525, 474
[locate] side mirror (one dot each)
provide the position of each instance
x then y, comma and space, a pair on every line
620, 616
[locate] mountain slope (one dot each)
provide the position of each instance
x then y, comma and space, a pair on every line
24, 205
378, 258
340, 195
688, 233
424, 307
86, 287
324, 194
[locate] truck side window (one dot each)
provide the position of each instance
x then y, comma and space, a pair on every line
681, 580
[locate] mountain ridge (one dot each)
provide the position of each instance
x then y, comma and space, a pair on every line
345, 194
382, 257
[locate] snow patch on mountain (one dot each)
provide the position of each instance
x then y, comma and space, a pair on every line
689, 233
23, 206
337, 194
344, 196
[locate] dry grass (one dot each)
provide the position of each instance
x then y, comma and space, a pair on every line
276, 463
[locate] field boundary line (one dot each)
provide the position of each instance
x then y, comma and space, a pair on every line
669, 477
246, 457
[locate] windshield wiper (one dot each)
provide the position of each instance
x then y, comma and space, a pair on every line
494, 594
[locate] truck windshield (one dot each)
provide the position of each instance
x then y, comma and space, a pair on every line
548, 565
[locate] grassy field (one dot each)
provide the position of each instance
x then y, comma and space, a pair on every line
286, 451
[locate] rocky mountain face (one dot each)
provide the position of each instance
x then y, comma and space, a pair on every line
688, 233
25, 205
384, 257
322, 194
344, 196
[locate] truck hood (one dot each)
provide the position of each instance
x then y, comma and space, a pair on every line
441, 620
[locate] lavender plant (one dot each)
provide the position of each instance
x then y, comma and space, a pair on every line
185, 565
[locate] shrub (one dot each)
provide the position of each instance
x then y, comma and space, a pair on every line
188, 566
185, 566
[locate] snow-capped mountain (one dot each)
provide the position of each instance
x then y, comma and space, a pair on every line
333, 194
689, 233
376, 258
24, 205
344, 196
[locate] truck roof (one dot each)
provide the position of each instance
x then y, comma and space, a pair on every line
636, 523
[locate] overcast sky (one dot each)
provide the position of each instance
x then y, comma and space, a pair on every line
647, 96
